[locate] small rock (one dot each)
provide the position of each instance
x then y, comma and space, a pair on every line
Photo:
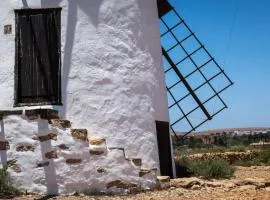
247, 187
247, 182
164, 179
121, 184
196, 187
187, 182
51, 154
101, 170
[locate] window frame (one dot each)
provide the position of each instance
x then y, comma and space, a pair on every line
17, 102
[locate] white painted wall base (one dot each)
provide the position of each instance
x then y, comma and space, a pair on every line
64, 164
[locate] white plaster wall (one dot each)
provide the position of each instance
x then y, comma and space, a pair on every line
112, 80
59, 177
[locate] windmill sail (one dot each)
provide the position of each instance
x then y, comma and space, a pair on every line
194, 79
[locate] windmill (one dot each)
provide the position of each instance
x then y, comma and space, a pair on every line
194, 79
84, 104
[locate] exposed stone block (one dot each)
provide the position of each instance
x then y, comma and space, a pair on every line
42, 113
42, 138
62, 146
144, 171
73, 160
96, 152
32, 114
163, 179
136, 162
80, 134
9, 112
49, 114
60, 123
101, 170
4, 145
51, 154
43, 164
121, 184
25, 147
12, 164
95, 140
116, 148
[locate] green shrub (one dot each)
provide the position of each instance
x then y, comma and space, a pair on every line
238, 148
6, 189
218, 169
262, 158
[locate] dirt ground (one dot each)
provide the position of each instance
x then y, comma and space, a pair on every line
249, 183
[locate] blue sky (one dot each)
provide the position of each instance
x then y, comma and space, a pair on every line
237, 34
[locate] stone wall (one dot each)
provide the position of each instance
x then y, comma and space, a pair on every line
44, 154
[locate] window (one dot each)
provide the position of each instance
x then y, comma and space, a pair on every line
38, 57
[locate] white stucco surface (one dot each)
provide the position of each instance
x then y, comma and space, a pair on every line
112, 85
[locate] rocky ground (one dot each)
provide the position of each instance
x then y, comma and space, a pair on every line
249, 183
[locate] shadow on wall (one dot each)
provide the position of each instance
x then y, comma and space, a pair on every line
25, 4
91, 9
3, 154
50, 173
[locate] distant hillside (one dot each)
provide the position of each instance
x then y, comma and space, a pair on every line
238, 131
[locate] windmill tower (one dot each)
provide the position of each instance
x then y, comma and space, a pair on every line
84, 104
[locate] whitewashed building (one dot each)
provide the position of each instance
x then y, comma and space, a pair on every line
83, 97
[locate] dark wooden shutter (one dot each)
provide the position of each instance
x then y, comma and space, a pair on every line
38, 57
164, 148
